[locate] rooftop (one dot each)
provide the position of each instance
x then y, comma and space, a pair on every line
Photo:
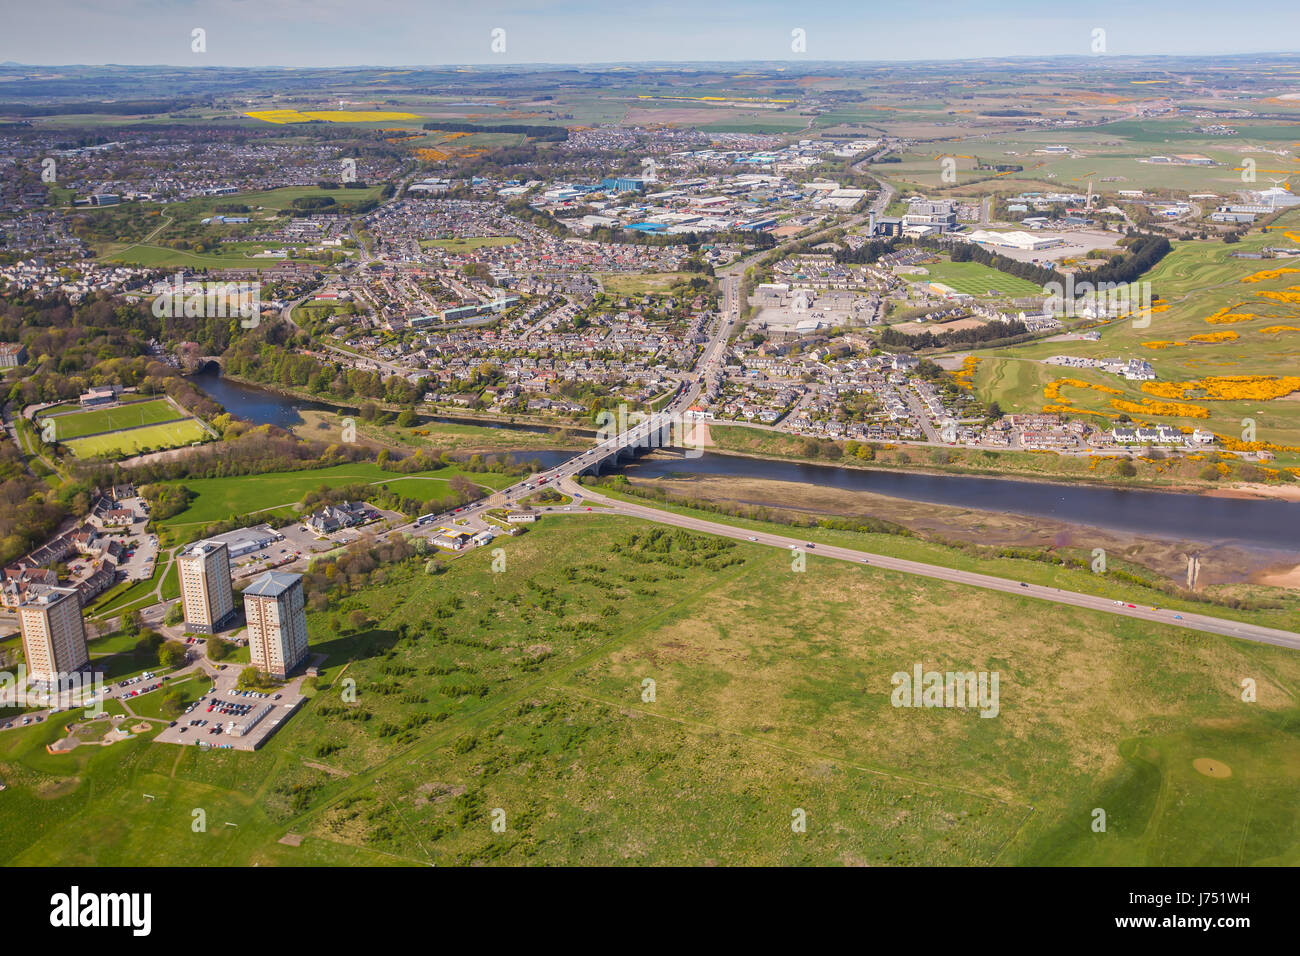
273, 584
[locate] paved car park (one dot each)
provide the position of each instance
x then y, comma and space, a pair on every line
217, 718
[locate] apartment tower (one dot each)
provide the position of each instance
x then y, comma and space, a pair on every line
54, 634
205, 586
276, 614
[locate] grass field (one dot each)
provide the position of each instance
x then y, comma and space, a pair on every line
220, 498
136, 440
642, 283
133, 415
232, 256
525, 692
468, 245
972, 278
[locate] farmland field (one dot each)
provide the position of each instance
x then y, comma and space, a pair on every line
136, 440
525, 691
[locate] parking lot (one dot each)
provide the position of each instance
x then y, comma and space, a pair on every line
215, 719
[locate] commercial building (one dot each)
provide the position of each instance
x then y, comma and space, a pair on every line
1014, 240
622, 184
54, 634
276, 613
205, 586
247, 540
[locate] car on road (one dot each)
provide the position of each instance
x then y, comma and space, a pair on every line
752, 538
1134, 606
1023, 584
1178, 617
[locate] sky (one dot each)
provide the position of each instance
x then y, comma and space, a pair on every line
324, 33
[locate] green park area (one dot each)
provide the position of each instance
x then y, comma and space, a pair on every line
216, 499
468, 245
972, 278
1223, 338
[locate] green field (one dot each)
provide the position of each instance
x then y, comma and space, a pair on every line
220, 498
239, 255
524, 692
972, 278
133, 415
136, 440
468, 245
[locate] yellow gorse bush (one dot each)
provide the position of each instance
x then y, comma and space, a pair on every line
1149, 407
1228, 388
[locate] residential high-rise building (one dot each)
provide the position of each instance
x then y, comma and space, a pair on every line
54, 634
205, 586
276, 613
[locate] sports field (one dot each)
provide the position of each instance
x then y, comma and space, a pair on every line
94, 421
468, 245
136, 440
972, 278
526, 697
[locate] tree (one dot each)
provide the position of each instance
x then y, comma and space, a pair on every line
406, 418
250, 678
1126, 469
175, 614
173, 705
172, 654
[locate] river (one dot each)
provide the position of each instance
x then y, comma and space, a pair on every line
1256, 522
1252, 522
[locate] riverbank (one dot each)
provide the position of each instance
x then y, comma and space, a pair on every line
1223, 563
462, 417
1171, 475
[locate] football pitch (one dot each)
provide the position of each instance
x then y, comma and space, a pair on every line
971, 278
136, 440
134, 415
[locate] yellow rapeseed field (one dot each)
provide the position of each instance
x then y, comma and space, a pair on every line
330, 116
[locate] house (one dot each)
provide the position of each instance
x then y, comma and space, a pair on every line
12, 354
521, 517
349, 514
